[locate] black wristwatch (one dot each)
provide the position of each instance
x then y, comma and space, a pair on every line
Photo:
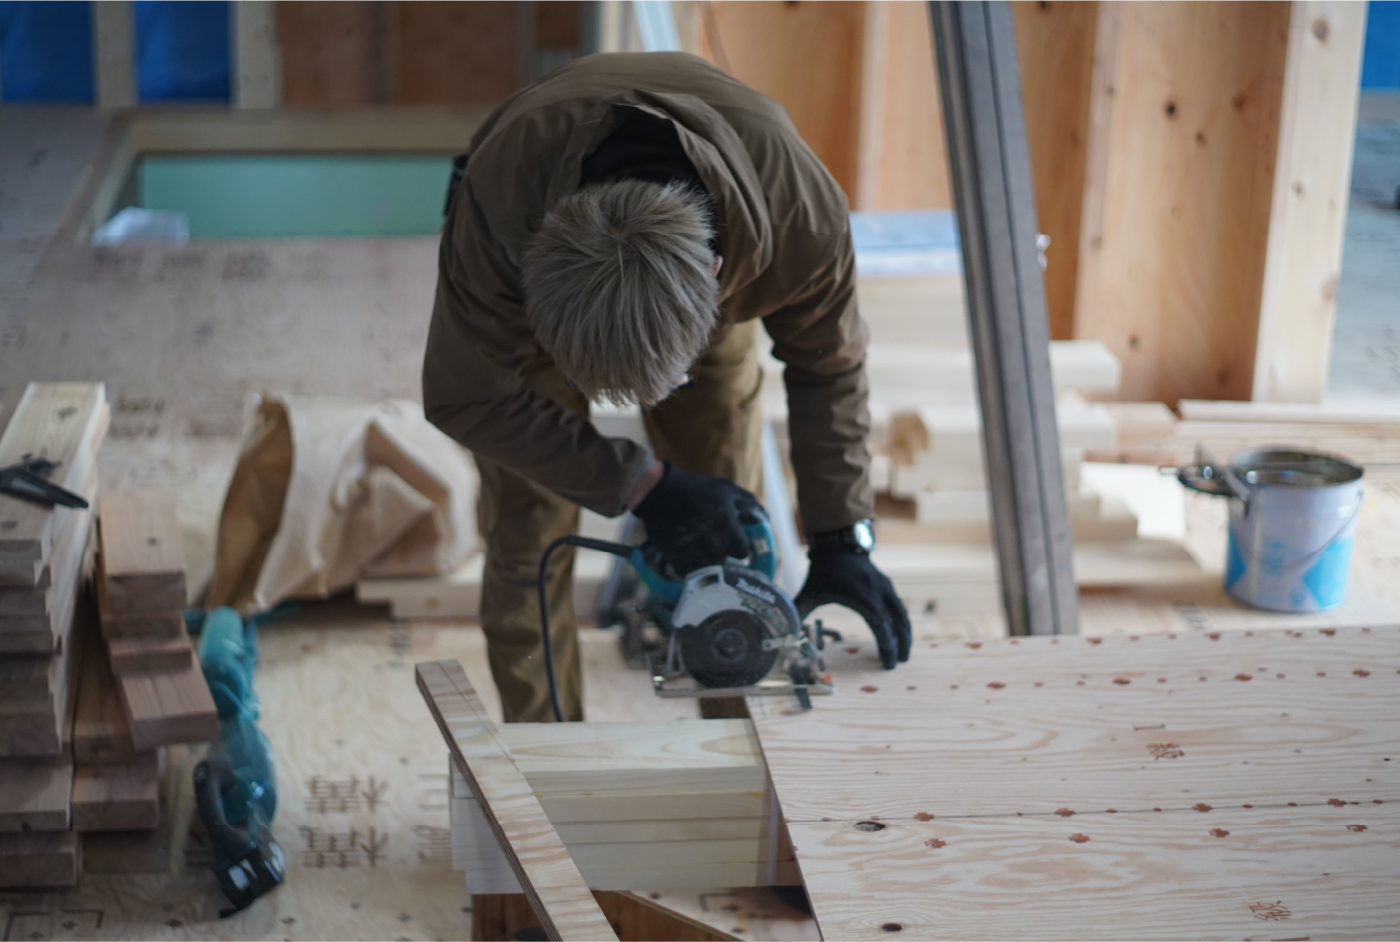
859, 536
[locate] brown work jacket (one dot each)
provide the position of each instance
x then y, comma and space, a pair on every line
784, 234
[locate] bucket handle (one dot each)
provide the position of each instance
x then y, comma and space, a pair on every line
1209, 477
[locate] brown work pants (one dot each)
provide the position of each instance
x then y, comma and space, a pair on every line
713, 426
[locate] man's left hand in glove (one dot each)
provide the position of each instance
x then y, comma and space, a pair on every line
842, 573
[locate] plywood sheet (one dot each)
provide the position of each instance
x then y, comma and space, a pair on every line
1144, 745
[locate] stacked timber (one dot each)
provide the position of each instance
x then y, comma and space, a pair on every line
45, 554
141, 598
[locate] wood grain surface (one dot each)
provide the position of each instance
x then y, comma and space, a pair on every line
1000, 752
34, 794
142, 552
167, 707
548, 876
124, 797
134, 655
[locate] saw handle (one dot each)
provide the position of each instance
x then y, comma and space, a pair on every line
762, 558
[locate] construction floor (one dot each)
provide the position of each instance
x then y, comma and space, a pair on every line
185, 336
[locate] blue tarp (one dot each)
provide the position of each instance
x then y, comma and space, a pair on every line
182, 50
45, 51
1380, 65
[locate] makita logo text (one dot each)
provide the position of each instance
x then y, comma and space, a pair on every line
759, 591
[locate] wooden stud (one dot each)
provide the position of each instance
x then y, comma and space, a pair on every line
1312, 184
138, 655
169, 707
142, 552
40, 859
101, 733
35, 794
557, 892
123, 797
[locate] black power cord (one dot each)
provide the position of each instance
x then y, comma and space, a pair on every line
584, 542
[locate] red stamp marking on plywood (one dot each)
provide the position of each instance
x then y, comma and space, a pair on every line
1164, 750
1358, 828
869, 688
974, 645
1360, 672
1201, 806
1219, 832
1336, 802
1079, 838
911, 687
1214, 636
1094, 640
1121, 681
1040, 683
923, 816
1244, 676
996, 685
853, 649
1270, 912
935, 843
1064, 812
1322, 673
1329, 632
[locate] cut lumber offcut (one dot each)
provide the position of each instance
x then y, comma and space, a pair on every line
70, 560
35, 794
30, 679
148, 850
557, 892
1145, 434
142, 552
136, 655
57, 422
39, 859
148, 625
100, 730
122, 797
42, 728
73, 534
904, 373
168, 707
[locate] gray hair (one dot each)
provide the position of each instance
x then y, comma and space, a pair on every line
620, 288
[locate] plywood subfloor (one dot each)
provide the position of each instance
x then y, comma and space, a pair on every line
1186, 785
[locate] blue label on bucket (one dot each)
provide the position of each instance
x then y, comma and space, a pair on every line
1234, 563
1327, 578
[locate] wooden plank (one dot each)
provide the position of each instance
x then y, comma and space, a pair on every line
1380, 414
31, 679
158, 625
168, 707
70, 558
541, 863
114, 54
256, 73
51, 421
124, 797
142, 552
1367, 444
1311, 190
1248, 874
805, 56
101, 733
1230, 768
44, 727
1181, 150
138, 655
40, 859
1055, 48
35, 794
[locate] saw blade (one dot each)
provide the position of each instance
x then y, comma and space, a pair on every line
726, 649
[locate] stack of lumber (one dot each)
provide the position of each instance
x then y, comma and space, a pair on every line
1367, 433
44, 556
141, 597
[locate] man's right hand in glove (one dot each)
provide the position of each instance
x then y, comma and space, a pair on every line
693, 519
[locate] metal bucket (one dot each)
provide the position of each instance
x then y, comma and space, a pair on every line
1292, 520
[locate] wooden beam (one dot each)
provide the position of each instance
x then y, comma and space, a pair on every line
1312, 184
558, 893
114, 54
1055, 47
980, 83
1179, 179
257, 66
167, 707
142, 552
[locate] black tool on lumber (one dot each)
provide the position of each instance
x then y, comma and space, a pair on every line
28, 480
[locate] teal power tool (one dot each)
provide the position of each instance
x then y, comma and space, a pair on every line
236, 786
731, 630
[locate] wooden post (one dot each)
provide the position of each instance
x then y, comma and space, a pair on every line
257, 79
990, 170
1312, 180
114, 54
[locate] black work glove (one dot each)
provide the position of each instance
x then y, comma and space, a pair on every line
696, 520
840, 576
